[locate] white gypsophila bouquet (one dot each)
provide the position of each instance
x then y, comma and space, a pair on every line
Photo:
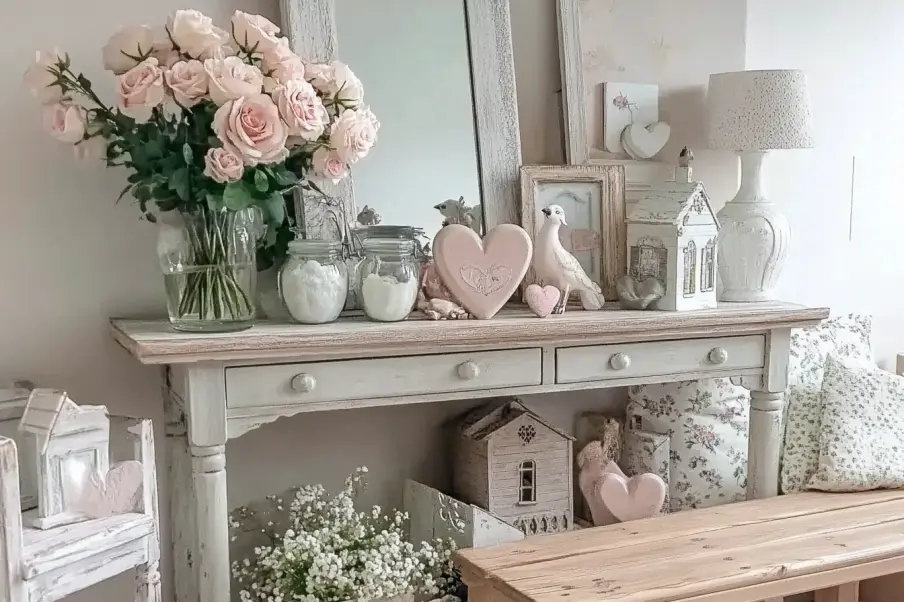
211, 122
333, 553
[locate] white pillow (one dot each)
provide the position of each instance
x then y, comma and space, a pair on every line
861, 442
706, 421
845, 336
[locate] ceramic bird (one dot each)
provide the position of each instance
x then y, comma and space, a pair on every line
685, 157
556, 266
457, 212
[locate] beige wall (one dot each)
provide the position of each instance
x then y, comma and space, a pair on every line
72, 258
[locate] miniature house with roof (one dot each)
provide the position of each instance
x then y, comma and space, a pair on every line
671, 236
517, 466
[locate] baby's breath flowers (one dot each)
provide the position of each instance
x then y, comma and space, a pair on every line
333, 553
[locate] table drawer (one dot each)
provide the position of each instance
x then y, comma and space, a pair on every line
631, 360
287, 384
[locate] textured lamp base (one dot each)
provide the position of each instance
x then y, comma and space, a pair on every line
753, 239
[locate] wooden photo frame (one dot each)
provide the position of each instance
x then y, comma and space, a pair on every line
596, 233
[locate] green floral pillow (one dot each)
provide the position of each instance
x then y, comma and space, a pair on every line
861, 442
845, 337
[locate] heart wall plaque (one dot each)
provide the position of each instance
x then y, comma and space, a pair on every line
644, 141
482, 274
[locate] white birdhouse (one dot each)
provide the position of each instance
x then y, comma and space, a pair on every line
69, 443
672, 237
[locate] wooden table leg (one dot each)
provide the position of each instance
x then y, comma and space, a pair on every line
847, 592
181, 504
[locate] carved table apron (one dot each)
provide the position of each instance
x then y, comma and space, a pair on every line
220, 386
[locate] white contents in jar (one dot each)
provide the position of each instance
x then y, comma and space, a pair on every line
314, 293
386, 299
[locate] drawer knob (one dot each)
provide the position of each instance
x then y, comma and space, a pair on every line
719, 355
304, 383
468, 370
620, 361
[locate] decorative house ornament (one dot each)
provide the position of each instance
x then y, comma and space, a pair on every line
70, 444
13, 398
672, 234
751, 113
517, 466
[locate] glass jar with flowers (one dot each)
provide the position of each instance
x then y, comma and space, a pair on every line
215, 128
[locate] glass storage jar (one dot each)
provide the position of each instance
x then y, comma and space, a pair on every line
389, 279
313, 282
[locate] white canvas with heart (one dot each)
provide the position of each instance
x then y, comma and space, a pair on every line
645, 141
117, 492
482, 274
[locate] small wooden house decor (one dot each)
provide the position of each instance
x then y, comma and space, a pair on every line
672, 237
518, 467
13, 398
70, 444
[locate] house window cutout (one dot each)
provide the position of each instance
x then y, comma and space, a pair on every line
527, 432
527, 477
708, 267
690, 269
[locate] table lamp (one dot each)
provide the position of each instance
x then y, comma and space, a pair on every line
751, 113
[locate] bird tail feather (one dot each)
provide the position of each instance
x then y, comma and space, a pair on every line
592, 300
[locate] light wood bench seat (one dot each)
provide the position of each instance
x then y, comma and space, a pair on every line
747, 552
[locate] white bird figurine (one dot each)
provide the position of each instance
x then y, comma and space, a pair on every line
557, 267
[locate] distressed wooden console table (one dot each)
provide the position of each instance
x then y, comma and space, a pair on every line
220, 386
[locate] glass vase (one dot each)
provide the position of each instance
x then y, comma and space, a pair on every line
209, 271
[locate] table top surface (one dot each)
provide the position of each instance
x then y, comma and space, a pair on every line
155, 341
696, 553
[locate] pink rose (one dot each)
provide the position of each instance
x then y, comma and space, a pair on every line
353, 134
251, 128
232, 78
329, 165
320, 75
223, 166
65, 122
40, 81
188, 81
280, 63
126, 47
140, 90
345, 87
301, 109
92, 150
195, 34
254, 32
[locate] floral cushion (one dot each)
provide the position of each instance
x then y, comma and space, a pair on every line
860, 442
844, 336
706, 421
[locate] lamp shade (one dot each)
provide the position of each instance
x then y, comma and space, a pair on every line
759, 110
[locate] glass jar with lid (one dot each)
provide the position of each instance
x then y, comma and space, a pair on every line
388, 279
313, 281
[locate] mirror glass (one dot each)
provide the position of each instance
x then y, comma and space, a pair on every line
413, 59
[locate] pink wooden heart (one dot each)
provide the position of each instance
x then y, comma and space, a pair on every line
640, 496
483, 275
117, 492
541, 299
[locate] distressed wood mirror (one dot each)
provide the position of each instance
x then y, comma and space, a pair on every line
464, 142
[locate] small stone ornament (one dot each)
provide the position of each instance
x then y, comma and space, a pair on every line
369, 217
455, 211
542, 299
638, 295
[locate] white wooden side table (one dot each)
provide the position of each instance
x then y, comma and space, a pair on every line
220, 386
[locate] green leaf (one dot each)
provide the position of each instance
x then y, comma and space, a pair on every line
285, 178
236, 196
275, 206
124, 192
187, 153
214, 202
134, 178
142, 192
260, 181
180, 184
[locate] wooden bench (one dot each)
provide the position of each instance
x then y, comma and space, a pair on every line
747, 552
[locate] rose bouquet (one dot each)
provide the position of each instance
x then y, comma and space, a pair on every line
333, 553
215, 128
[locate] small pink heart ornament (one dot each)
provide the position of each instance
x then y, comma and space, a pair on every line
541, 299
117, 492
482, 274
641, 496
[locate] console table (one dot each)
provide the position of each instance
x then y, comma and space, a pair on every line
220, 386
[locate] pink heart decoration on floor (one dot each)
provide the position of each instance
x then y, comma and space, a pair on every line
114, 493
639, 497
482, 274
542, 299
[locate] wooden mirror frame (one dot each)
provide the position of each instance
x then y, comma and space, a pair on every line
311, 28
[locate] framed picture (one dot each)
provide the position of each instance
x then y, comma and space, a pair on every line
593, 198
